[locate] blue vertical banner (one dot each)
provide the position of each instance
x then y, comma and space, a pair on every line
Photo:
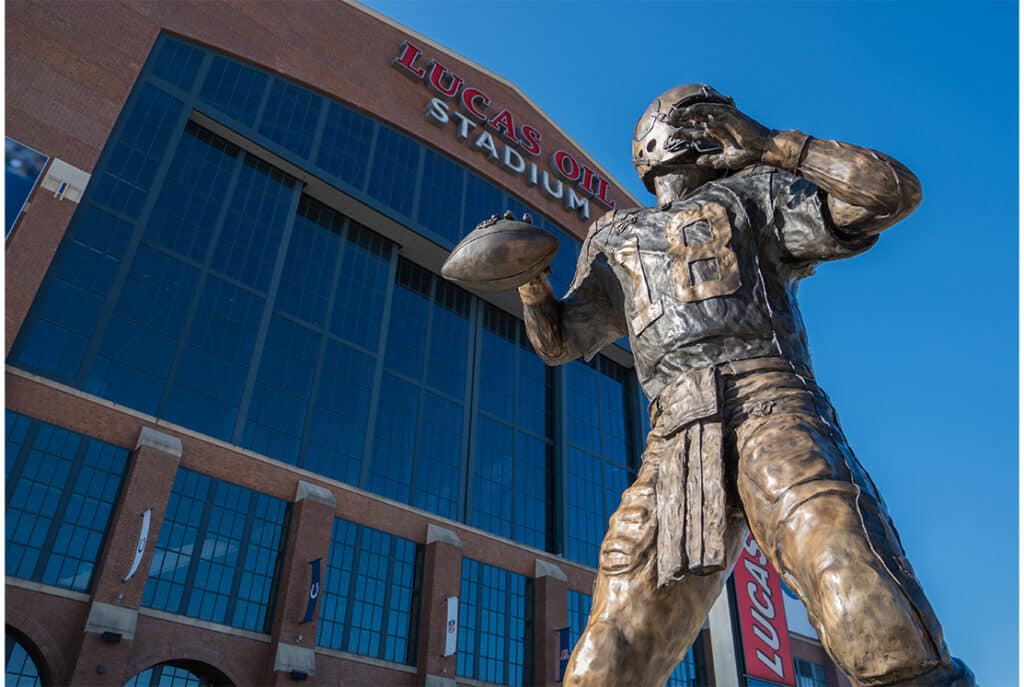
314, 591
563, 651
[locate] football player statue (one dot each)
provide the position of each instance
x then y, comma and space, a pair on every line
741, 435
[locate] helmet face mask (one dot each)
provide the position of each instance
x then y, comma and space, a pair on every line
655, 151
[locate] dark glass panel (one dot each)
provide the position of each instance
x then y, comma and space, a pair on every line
345, 147
185, 214
280, 397
135, 152
337, 430
309, 267
234, 89
440, 206
585, 507
251, 236
483, 199
395, 442
67, 309
491, 509
362, 286
438, 456
177, 62
449, 340
410, 313
534, 410
393, 173
212, 367
615, 412
138, 347
497, 383
291, 116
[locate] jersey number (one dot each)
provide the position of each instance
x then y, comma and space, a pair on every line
707, 254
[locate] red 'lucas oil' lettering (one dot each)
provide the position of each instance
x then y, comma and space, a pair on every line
407, 59
470, 96
437, 75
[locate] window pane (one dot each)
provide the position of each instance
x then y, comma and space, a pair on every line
345, 149
234, 89
337, 431
440, 206
176, 62
141, 340
135, 152
496, 628
66, 311
187, 209
212, 367
362, 285
218, 552
370, 601
280, 397
309, 267
393, 173
21, 669
61, 488
251, 235
291, 116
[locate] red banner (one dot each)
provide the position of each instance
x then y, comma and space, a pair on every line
762, 617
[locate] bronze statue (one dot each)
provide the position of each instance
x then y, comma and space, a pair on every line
741, 435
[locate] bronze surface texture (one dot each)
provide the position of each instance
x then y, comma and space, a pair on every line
741, 436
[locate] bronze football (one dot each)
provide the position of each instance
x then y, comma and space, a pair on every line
500, 254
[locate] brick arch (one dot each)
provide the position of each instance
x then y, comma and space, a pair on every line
185, 652
50, 659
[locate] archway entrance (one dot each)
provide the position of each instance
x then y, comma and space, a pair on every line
22, 670
179, 674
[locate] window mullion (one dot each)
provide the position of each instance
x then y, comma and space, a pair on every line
243, 550
197, 548
346, 627
268, 309
470, 424
386, 611
378, 372
21, 460
201, 280
125, 263
62, 505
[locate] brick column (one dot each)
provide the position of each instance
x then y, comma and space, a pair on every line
115, 602
442, 578
550, 614
309, 538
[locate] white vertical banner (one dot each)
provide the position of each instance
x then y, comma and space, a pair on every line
451, 628
141, 548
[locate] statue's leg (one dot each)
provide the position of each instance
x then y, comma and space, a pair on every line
820, 520
636, 633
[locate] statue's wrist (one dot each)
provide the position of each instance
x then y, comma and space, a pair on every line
785, 149
536, 291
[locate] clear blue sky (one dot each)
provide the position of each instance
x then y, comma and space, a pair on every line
916, 340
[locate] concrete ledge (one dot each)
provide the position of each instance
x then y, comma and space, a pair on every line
314, 492
435, 533
438, 681
151, 438
542, 568
109, 618
290, 657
